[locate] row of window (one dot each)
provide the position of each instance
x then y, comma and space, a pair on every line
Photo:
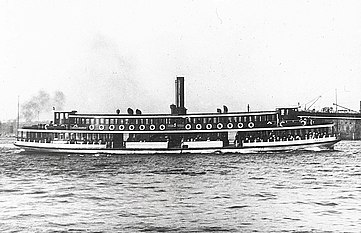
64, 136
168, 121
264, 135
283, 133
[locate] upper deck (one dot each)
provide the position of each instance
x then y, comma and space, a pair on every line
153, 122
158, 123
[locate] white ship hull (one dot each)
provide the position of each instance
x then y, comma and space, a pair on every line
255, 147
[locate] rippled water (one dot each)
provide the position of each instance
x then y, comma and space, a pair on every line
303, 191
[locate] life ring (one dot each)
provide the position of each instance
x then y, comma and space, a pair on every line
162, 127
188, 126
111, 127
121, 127
46, 126
91, 127
209, 126
230, 125
250, 125
240, 125
219, 126
304, 123
131, 127
142, 127
152, 127
101, 127
198, 126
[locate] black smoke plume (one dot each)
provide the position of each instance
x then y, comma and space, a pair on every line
42, 102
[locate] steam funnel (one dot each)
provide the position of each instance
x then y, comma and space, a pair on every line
179, 108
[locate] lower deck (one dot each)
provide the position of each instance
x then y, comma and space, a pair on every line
251, 147
230, 139
194, 142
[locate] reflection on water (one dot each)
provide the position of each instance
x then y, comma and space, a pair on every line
298, 191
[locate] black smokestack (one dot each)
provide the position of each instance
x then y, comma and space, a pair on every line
178, 108
180, 92
179, 96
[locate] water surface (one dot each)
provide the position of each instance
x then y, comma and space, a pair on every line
279, 192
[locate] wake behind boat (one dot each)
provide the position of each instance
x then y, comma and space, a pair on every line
178, 132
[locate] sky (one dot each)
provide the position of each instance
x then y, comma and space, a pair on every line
108, 55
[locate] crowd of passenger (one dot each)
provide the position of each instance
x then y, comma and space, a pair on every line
272, 137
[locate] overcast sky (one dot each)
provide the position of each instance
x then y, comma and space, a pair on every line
105, 55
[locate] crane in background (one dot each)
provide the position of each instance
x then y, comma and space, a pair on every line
313, 101
343, 109
350, 110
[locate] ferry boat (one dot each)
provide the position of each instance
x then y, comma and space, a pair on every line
178, 132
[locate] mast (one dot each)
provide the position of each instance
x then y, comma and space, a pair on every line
18, 120
336, 99
337, 130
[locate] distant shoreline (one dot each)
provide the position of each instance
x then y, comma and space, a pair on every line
7, 139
